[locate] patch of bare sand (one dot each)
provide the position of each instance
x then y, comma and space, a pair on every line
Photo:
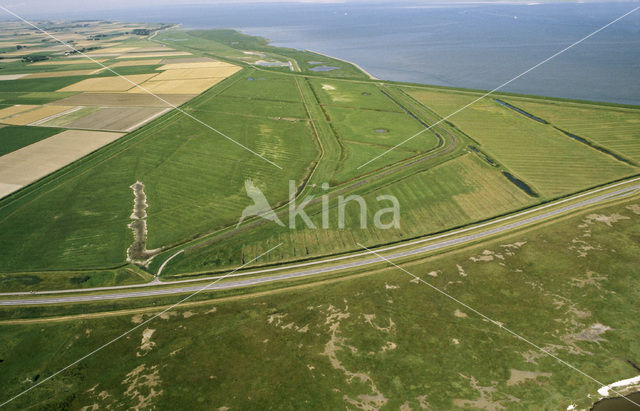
146, 344
591, 278
635, 208
143, 386
518, 376
337, 343
369, 319
609, 220
592, 334
460, 314
389, 346
277, 320
485, 400
486, 256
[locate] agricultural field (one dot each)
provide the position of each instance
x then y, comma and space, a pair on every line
322, 128
34, 161
177, 172
353, 95
614, 128
370, 338
13, 138
443, 197
543, 157
107, 188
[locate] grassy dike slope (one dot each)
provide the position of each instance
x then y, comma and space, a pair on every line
377, 340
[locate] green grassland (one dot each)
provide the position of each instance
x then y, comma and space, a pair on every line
360, 126
549, 161
38, 84
319, 130
377, 339
615, 128
265, 86
35, 97
352, 94
192, 174
72, 279
13, 138
442, 197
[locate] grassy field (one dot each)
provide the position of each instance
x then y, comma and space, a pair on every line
192, 175
448, 195
378, 339
549, 161
320, 127
265, 86
617, 129
13, 138
351, 94
59, 280
380, 128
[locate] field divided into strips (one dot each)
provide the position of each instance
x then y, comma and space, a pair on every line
111, 83
615, 128
32, 162
194, 182
34, 115
543, 157
124, 99
451, 194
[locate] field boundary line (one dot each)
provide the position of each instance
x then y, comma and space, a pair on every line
198, 291
140, 87
503, 85
497, 323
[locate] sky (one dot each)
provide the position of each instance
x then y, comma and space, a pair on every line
61, 6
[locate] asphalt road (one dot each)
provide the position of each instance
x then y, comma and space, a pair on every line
493, 227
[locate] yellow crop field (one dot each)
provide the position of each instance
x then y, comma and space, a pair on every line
22, 119
149, 62
190, 86
19, 108
195, 65
196, 73
114, 83
70, 61
111, 50
49, 74
152, 49
124, 100
170, 53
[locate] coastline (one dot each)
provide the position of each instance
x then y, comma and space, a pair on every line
371, 76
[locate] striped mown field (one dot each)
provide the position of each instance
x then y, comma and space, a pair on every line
545, 158
615, 128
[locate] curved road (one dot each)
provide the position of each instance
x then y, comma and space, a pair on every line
440, 242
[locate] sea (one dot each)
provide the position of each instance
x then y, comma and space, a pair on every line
471, 45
